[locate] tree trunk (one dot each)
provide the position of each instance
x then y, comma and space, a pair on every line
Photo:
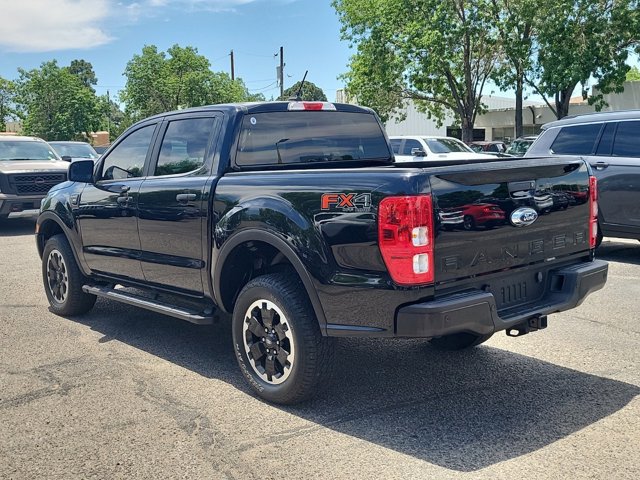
467, 130
519, 95
563, 99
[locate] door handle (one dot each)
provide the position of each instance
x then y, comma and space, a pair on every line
601, 165
185, 197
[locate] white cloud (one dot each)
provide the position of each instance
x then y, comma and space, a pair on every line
48, 25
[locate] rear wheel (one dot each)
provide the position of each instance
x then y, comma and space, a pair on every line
63, 280
459, 341
469, 222
277, 340
599, 237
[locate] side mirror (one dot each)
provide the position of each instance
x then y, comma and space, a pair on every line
418, 152
81, 171
66, 158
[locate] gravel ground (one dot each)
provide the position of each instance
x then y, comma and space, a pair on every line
125, 393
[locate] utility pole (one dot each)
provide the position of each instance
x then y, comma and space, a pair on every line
233, 75
281, 72
109, 115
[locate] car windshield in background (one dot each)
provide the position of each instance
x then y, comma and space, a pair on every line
519, 147
308, 137
74, 150
26, 150
446, 145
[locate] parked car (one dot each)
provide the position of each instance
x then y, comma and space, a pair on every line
100, 149
29, 167
520, 145
610, 142
72, 151
481, 214
493, 147
300, 227
416, 148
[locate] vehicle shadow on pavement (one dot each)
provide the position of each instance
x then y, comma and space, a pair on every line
14, 227
463, 411
616, 251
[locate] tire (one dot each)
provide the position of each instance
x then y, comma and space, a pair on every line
303, 362
63, 280
459, 341
469, 222
599, 237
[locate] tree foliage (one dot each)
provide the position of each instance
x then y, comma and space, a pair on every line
56, 104
84, 71
7, 102
180, 78
310, 92
437, 53
633, 75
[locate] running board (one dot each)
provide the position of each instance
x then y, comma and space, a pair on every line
149, 304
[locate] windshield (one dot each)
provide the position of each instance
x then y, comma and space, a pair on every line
26, 150
75, 150
446, 145
309, 137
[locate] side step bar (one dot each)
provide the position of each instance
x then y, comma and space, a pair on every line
149, 304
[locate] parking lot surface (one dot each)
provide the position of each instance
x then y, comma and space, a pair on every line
125, 393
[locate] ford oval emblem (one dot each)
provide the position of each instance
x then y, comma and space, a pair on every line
523, 217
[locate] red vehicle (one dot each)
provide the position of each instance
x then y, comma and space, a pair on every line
486, 215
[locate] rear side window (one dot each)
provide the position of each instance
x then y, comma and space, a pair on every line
576, 140
395, 145
626, 143
184, 145
281, 138
606, 141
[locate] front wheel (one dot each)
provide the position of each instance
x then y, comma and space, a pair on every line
459, 341
277, 340
63, 280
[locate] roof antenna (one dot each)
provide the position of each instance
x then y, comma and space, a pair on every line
298, 96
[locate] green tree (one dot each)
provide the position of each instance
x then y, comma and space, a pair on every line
310, 92
579, 41
7, 102
515, 23
180, 78
56, 104
113, 119
437, 53
633, 75
84, 71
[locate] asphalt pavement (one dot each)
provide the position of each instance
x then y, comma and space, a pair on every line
125, 393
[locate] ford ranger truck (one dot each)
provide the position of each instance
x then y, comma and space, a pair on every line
293, 219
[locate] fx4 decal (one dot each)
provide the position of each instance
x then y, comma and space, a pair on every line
347, 202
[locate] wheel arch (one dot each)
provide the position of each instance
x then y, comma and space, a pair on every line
48, 225
275, 246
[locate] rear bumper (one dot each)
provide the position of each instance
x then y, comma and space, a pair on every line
476, 311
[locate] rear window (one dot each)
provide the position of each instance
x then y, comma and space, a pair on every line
446, 145
308, 137
576, 140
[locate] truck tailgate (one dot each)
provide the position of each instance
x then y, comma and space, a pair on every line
508, 214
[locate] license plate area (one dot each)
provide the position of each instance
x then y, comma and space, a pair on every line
518, 290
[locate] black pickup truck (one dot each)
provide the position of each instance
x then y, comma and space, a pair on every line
293, 218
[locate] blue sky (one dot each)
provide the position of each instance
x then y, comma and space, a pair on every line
108, 33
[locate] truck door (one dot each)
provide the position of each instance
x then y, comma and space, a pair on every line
173, 206
108, 210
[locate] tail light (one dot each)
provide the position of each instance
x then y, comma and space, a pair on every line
405, 237
593, 211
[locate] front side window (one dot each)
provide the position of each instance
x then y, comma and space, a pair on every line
304, 137
127, 159
626, 142
576, 140
410, 145
184, 146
